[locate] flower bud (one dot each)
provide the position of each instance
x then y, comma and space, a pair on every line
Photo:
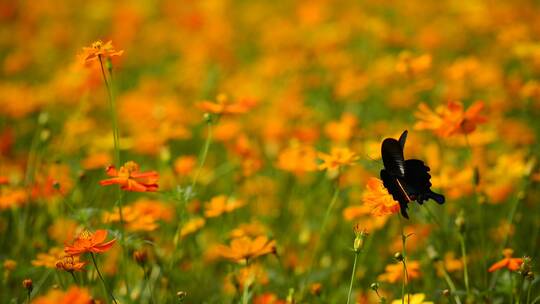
398, 256
446, 293
374, 286
28, 284
140, 257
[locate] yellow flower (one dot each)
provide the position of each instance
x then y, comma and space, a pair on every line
417, 298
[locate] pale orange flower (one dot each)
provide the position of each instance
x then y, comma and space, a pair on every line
191, 226
49, 259
223, 106
87, 242
99, 50
409, 65
394, 272
508, 262
338, 158
451, 119
70, 263
142, 215
297, 159
221, 204
378, 199
341, 130
131, 179
184, 165
246, 248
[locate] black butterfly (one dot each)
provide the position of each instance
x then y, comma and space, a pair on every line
407, 180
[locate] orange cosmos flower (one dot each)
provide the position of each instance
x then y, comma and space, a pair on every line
131, 179
191, 226
99, 50
297, 159
74, 295
409, 65
50, 258
223, 106
221, 204
246, 248
338, 157
508, 262
89, 242
450, 120
394, 272
378, 199
70, 263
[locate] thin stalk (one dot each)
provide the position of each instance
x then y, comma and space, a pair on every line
101, 278
356, 254
464, 259
28, 293
451, 285
117, 161
520, 291
74, 277
405, 283
147, 279
204, 154
529, 292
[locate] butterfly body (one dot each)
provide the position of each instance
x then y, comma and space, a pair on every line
406, 180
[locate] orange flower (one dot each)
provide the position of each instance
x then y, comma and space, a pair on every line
342, 130
508, 262
409, 65
450, 120
223, 106
297, 159
394, 272
99, 50
245, 248
70, 263
378, 199
338, 157
184, 165
192, 226
50, 258
89, 242
131, 179
143, 215
221, 204
74, 295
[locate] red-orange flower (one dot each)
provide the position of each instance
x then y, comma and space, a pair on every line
89, 242
99, 49
130, 179
450, 120
508, 262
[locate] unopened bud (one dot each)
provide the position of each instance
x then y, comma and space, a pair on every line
446, 293
460, 222
28, 284
181, 295
398, 256
374, 286
433, 254
359, 238
530, 276
140, 257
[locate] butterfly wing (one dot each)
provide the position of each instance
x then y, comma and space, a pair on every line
396, 189
392, 156
418, 184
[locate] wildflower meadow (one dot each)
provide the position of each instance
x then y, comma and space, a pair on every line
269, 152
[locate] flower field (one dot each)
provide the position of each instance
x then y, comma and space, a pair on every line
269, 152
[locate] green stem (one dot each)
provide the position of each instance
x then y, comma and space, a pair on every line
404, 285
101, 278
204, 154
464, 259
529, 292
28, 296
451, 285
356, 254
74, 277
117, 161
147, 279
